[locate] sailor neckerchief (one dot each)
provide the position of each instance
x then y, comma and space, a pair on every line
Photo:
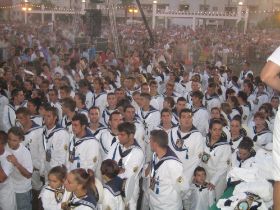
125, 153
178, 145
194, 110
58, 193
34, 126
145, 116
46, 137
115, 186
100, 127
220, 142
173, 125
95, 97
201, 187
87, 200
252, 154
264, 131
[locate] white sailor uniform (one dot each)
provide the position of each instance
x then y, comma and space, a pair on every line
106, 115
234, 143
97, 133
166, 182
188, 147
216, 161
52, 198
88, 202
100, 100
201, 198
237, 162
9, 117
89, 99
58, 106
211, 101
261, 139
55, 141
201, 120
83, 152
33, 141
3, 102
107, 139
132, 161
7, 198
246, 113
113, 195
38, 119
67, 124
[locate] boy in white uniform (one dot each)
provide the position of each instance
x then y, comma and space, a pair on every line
83, 147
165, 175
112, 106
21, 176
129, 156
7, 198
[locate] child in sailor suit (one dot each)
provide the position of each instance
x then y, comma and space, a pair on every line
55, 142
216, 161
83, 152
201, 197
166, 187
52, 194
33, 141
7, 198
113, 199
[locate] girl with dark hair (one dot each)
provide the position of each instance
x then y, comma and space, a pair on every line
113, 187
52, 194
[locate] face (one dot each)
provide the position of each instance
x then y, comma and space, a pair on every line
23, 119
63, 94
28, 86
145, 89
144, 101
20, 97
14, 141
259, 122
166, 118
116, 120
124, 138
96, 85
180, 105
112, 100
169, 90
120, 94
243, 154
49, 119
216, 131
275, 103
153, 88
52, 96
186, 120
54, 182
32, 108
70, 183
246, 88
195, 86
77, 100
94, 115
235, 127
77, 127
215, 114
129, 114
200, 177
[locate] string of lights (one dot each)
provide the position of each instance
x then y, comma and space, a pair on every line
160, 11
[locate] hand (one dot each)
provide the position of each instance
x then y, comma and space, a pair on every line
122, 170
211, 186
12, 159
64, 206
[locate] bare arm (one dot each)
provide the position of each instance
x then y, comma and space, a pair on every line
276, 193
3, 176
270, 75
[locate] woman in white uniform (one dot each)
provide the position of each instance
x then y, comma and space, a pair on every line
82, 193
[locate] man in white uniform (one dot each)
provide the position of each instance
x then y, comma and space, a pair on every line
165, 175
129, 156
83, 147
55, 141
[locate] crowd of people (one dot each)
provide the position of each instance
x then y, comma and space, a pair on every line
163, 127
